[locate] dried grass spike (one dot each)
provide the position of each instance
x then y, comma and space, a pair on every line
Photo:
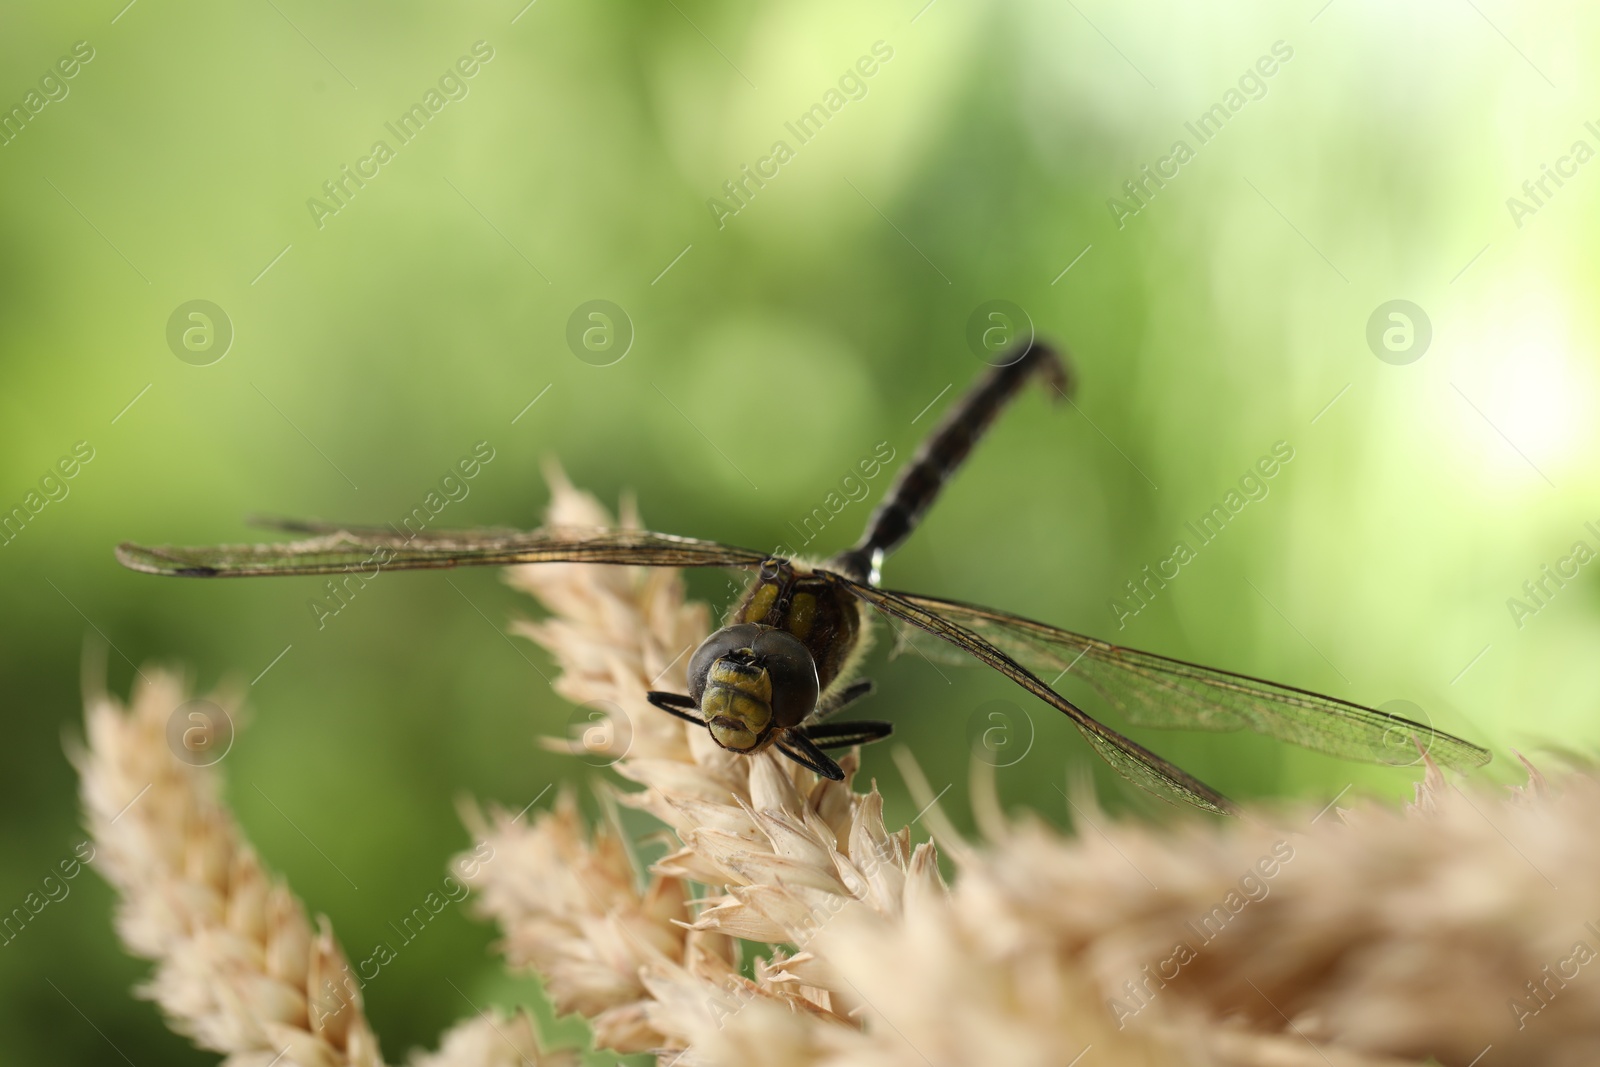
238, 969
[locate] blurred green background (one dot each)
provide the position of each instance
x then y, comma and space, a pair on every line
769, 354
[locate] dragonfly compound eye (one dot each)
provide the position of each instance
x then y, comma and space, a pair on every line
791, 673
749, 680
726, 640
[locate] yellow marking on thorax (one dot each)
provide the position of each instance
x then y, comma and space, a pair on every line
761, 602
802, 615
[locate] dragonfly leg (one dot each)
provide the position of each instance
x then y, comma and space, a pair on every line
942, 453
834, 703
797, 747
846, 734
676, 704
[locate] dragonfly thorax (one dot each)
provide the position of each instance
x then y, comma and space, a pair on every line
749, 681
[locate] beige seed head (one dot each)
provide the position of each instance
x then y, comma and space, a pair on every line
786, 925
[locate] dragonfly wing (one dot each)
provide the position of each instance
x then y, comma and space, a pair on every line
369, 550
1155, 691
1133, 761
910, 640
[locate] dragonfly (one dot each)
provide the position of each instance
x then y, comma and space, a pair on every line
785, 661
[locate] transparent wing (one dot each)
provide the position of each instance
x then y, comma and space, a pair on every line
339, 549
1133, 761
909, 639
1155, 691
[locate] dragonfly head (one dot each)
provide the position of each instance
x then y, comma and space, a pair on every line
749, 681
